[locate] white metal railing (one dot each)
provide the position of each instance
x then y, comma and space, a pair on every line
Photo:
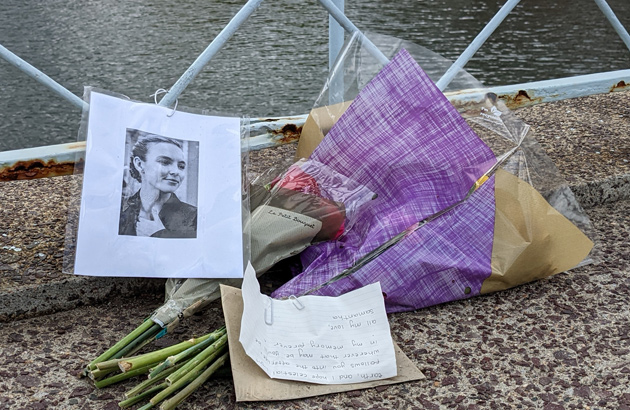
335, 10
267, 133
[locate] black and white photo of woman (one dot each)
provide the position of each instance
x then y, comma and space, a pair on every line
159, 166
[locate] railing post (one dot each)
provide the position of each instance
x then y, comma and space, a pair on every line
349, 27
335, 43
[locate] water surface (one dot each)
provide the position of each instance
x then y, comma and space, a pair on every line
277, 63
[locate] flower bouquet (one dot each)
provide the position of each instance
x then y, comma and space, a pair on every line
457, 214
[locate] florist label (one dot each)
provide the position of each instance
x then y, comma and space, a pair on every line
318, 339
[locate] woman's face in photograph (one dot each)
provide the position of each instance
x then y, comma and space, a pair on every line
165, 167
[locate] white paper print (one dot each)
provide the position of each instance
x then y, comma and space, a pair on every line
161, 194
318, 339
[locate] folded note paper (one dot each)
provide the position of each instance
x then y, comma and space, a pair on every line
318, 339
251, 383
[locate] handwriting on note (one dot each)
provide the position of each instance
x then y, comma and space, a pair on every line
318, 339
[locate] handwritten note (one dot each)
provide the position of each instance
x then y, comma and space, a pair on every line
318, 339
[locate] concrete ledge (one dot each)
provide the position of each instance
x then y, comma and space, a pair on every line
45, 297
50, 297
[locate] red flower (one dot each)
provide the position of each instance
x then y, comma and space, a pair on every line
297, 180
332, 214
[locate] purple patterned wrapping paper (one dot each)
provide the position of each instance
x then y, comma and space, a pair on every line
403, 140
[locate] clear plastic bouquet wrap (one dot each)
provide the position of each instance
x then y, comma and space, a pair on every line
307, 204
467, 202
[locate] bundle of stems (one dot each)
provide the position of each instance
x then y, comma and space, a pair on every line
100, 370
173, 372
174, 379
128, 345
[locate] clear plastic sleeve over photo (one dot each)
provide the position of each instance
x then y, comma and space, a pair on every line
161, 193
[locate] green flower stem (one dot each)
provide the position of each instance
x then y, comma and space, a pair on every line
131, 348
139, 341
186, 354
120, 377
108, 365
147, 406
208, 351
133, 351
138, 388
99, 374
165, 365
187, 378
122, 343
174, 401
138, 398
158, 356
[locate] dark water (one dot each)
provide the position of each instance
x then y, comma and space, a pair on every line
277, 63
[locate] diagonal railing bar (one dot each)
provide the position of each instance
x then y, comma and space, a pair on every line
334, 12
42, 78
614, 21
204, 58
243, 14
215, 46
476, 44
492, 25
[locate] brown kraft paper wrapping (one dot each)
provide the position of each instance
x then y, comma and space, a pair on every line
318, 123
531, 239
251, 383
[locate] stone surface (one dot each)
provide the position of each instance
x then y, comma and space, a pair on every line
589, 140
559, 343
